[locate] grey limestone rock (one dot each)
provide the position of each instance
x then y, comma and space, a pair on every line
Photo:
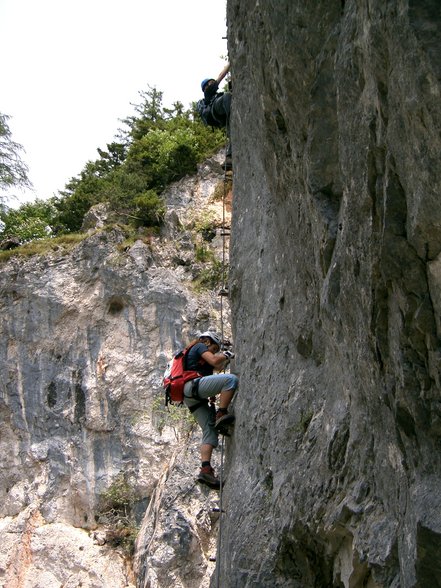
335, 471
85, 337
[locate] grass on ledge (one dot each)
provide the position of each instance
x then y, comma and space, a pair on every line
43, 246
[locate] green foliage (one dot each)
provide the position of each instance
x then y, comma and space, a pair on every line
150, 114
13, 171
118, 498
211, 277
80, 194
179, 418
124, 537
34, 220
111, 159
116, 511
203, 254
158, 146
72, 209
222, 188
205, 224
43, 246
149, 208
164, 155
146, 235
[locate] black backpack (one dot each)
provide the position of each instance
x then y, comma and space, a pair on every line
205, 112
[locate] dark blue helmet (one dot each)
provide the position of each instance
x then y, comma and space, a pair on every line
204, 83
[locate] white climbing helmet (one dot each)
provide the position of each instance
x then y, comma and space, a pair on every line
215, 338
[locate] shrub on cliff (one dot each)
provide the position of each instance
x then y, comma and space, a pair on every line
116, 512
156, 146
33, 220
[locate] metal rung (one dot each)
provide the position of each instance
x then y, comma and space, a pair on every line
223, 292
212, 558
216, 509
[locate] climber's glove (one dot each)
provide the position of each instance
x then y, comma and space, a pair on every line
228, 354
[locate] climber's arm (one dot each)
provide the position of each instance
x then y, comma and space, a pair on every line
217, 360
223, 73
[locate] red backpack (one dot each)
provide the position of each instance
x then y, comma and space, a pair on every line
176, 376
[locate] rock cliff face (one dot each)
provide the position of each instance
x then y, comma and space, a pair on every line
334, 474
334, 470
86, 445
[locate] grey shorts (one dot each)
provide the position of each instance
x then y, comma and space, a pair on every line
208, 386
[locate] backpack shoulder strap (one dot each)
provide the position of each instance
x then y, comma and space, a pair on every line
185, 353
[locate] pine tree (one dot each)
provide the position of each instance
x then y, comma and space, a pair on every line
13, 171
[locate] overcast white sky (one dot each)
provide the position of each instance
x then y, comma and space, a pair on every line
72, 68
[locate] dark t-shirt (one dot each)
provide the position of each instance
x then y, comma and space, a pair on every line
194, 360
210, 92
205, 107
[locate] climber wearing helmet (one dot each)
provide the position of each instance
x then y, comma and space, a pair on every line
205, 357
214, 109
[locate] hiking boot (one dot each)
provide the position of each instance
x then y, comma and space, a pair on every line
223, 419
206, 476
228, 163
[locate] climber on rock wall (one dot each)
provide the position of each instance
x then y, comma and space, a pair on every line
199, 395
214, 109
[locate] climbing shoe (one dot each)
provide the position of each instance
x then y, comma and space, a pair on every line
227, 164
223, 420
206, 476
